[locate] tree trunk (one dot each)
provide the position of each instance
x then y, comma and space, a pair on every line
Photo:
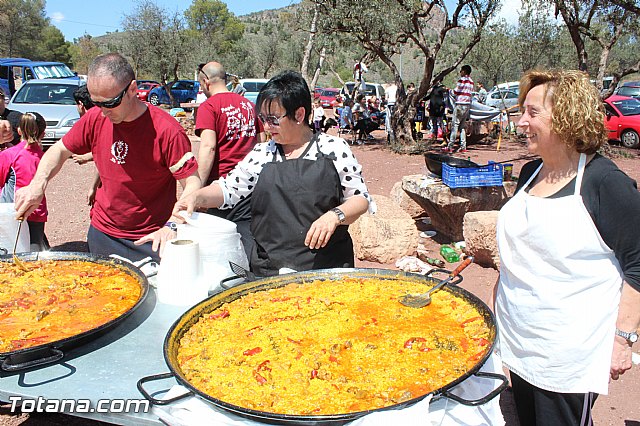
304, 69
316, 74
402, 123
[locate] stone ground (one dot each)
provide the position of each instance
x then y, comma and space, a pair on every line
69, 219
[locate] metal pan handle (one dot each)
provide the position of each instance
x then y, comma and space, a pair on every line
457, 280
486, 398
156, 401
7, 365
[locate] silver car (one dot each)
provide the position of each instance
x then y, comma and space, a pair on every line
502, 99
53, 99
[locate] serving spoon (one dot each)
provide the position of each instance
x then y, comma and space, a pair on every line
16, 259
422, 300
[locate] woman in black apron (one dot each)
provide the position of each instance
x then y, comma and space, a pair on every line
305, 188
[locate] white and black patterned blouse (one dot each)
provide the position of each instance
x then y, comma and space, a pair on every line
241, 181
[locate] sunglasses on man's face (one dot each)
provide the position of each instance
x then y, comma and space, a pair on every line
200, 69
112, 103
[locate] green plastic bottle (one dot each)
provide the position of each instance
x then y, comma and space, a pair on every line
449, 253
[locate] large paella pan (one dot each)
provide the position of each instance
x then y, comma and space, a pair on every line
60, 300
328, 346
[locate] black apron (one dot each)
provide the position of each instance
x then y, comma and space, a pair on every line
289, 196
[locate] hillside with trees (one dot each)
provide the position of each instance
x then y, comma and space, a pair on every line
400, 41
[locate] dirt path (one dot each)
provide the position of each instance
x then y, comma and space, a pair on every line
68, 224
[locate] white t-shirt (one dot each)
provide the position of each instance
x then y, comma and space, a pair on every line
390, 94
318, 113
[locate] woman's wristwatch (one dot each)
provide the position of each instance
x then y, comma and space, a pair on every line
631, 337
340, 214
172, 225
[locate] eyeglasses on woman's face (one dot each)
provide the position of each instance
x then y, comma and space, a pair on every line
271, 120
112, 103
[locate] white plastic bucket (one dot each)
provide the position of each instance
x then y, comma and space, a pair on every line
219, 244
9, 228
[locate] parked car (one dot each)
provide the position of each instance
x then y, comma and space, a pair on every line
183, 91
328, 97
148, 81
144, 89
252, 87
53, 99
502, 99
628, 90
509, 85
16, 71
373, 89
623, 120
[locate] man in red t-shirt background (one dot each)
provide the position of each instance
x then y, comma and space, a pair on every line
229, 128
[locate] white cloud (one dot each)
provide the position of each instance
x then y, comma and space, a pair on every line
57, 16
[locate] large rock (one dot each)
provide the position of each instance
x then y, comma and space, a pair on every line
385, 236
406, 203
479, 231
446, 206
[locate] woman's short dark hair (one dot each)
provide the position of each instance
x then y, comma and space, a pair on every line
290, 90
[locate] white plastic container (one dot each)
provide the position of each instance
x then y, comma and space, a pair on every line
9, 228
219, 243
178, 280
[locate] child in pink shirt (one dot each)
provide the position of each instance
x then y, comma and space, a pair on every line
18, 166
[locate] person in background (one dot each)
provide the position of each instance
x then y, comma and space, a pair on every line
362, 119
6, 133
318, 115
390, 93
13, 117
375, 109
305, 187
568, 295
437, 108
140, 152
18, 165
83, 104
236, 86
228, 127
482, 93
462, 93
346, 121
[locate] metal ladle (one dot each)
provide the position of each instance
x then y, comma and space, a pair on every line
19, 263
422, 300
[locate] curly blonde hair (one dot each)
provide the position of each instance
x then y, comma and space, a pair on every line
578, 115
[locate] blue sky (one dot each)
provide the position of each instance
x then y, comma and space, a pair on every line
75, 18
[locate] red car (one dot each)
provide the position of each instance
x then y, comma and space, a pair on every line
144, 88
623, 120
328, 97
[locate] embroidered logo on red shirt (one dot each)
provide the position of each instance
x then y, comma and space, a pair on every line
119, 152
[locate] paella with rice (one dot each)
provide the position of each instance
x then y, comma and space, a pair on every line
328, 347
55, 299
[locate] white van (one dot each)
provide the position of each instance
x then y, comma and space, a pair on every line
373, 89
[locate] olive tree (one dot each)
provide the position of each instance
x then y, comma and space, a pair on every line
603, 23
213, 29
383, 27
